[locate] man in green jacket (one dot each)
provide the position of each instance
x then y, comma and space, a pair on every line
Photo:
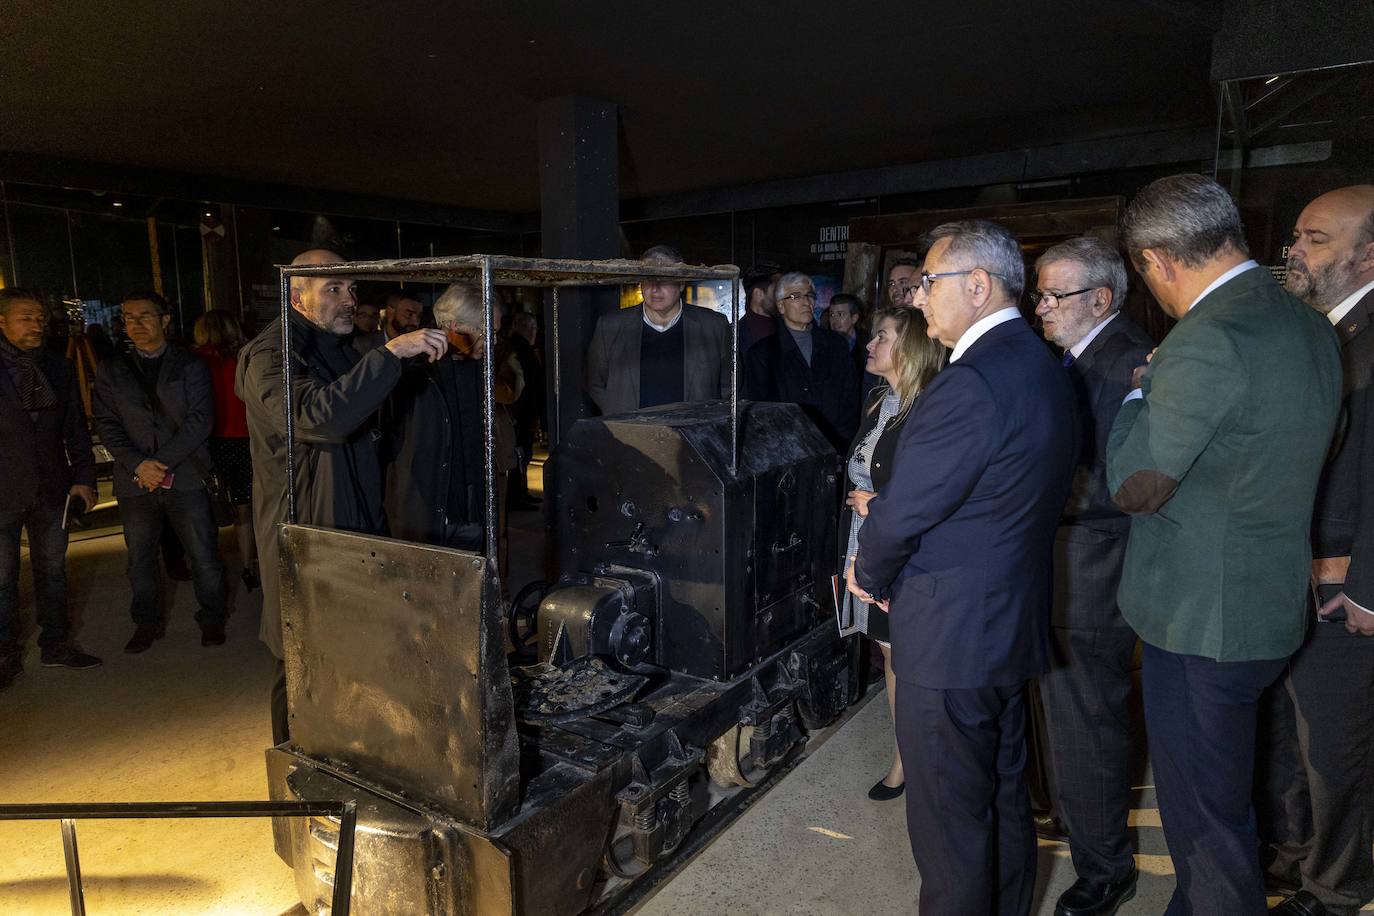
1216, 456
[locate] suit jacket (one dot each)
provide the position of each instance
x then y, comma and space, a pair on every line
827, 390
419, 441
1340, 491
335, 393
173, 427
965, 554
1090, 545
613, 358
1218, 463
43, 455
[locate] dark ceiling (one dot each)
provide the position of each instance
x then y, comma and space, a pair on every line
437, 101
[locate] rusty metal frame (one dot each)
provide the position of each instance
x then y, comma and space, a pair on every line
491, 271
67, 814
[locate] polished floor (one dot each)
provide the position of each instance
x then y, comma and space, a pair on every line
186, 723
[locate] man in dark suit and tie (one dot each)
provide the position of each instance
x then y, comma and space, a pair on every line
1216, 456
1324, 840
959, 551
1082, 283
661, 352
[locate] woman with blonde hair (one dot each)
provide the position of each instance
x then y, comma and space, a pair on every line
218, 338
906, 359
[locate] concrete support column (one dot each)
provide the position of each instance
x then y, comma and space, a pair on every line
579, 197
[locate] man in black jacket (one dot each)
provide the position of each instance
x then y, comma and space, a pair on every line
1324, 837
335, 392
1082, 283
805, 364
46, 453
432, 435
154, 409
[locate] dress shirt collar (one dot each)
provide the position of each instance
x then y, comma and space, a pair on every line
1337, 314
1078, 348
660, 328
1234, 272
981, 327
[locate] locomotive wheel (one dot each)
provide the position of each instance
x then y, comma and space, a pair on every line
522, 618
726, 756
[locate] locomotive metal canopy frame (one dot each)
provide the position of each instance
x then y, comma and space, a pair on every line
492, 271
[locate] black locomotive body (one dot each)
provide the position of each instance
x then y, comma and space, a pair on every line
684, 650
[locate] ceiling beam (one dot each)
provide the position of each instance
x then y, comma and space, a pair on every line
52, 171
1035, 164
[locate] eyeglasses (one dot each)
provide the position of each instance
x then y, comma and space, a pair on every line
1054, 299
927, 278
796, 297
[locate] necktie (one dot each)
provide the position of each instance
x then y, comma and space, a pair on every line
1067, 361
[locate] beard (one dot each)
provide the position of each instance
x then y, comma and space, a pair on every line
1320, 288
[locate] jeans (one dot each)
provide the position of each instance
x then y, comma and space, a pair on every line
48, 557
190, 515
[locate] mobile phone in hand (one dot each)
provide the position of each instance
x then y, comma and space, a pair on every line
166, 483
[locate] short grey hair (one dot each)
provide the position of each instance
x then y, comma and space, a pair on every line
982, 243
792, 276
662, 254
1189, 217
461, 303
1102, 264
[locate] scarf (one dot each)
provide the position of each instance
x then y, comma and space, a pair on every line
35, 391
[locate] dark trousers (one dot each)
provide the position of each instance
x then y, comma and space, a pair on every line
187, 511
1200, 718
968, 812
1324, 830
1086, 696
48, 559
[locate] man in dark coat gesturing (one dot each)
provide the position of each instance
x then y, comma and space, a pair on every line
335, 393
958, 549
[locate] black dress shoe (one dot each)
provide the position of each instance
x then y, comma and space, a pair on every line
1086, 898
142, 639
212, 634
68, 656
881, 791
1049, 827
1301, 904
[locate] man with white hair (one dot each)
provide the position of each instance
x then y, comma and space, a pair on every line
805, 364
1081, 285
661, 352
335, 393
432, 430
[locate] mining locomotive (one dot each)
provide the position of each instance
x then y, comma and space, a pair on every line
684, 650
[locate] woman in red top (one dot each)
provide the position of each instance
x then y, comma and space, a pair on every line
219, 337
